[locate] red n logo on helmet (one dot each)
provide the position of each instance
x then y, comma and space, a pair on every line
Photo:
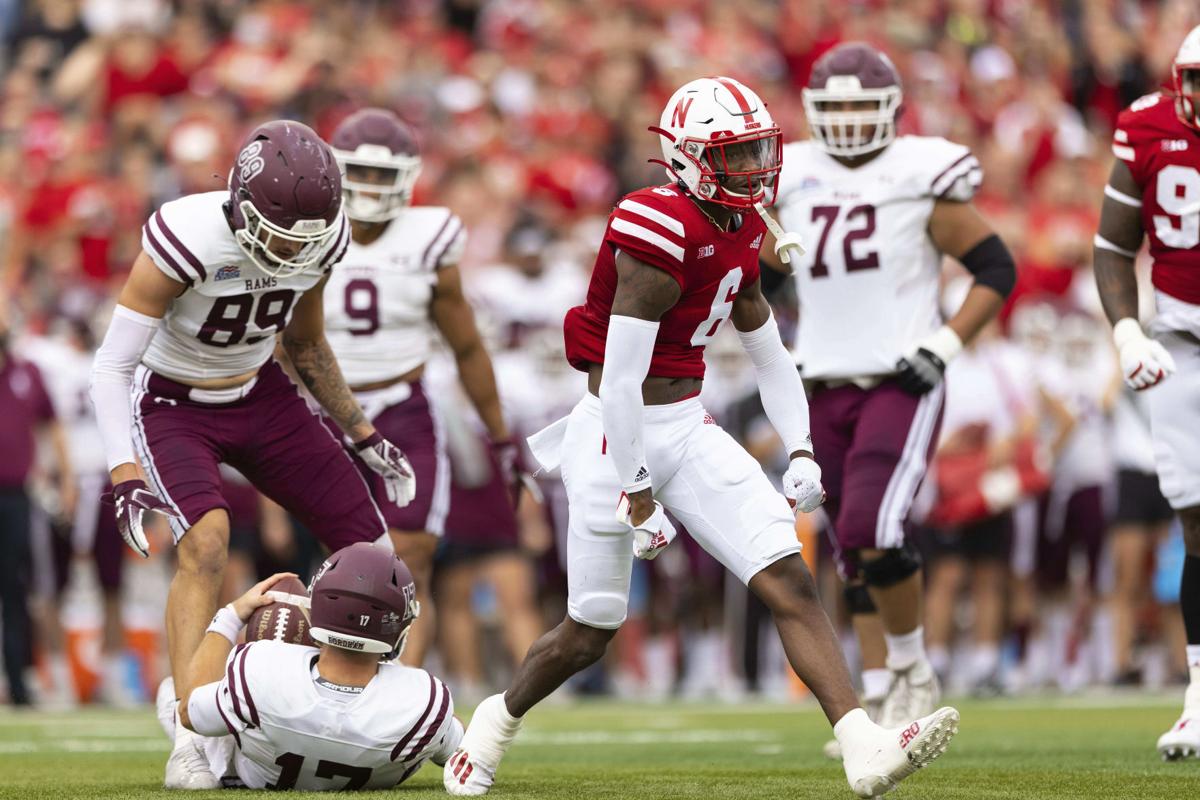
679, 117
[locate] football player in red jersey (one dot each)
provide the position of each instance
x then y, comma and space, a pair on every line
677, 261
1154, 192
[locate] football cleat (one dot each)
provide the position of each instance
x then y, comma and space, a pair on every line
876, 762
472, 769
915, 692
187, 766
1183, 740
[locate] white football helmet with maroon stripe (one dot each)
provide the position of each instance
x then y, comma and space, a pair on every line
720, 142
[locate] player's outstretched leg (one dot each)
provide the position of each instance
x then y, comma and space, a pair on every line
1183, 739
875, 758
559, 654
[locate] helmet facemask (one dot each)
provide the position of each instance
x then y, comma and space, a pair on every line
376, 185
848, 120
1187, 94
737, 171
279, 251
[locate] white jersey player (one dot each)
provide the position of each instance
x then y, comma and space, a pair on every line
220, 275
876, 213
322, 718
397, 289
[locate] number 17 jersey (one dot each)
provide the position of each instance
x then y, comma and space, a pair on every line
869, 282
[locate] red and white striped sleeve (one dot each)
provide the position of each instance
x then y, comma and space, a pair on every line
649, 234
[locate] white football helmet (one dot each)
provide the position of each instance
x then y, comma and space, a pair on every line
1185, 74
853, 100
720, 142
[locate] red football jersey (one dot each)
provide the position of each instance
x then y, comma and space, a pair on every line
1163, 155
661, 227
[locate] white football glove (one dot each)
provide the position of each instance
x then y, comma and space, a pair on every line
802, 484
652, 536
1144, 362
787, 245
385, 460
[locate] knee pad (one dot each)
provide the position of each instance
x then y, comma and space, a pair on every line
604, 610
858, 599
892, 567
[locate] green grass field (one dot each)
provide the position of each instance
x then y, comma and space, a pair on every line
1053, 748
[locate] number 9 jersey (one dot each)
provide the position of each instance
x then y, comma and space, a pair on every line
869, 281
1163, 156
377, 300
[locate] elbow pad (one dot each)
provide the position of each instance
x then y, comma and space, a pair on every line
627, 353
992, 265
129, 335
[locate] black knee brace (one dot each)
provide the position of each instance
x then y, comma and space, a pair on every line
858, 599
892, 567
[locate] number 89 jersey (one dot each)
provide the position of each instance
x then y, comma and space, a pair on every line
377, 300
1163, 156
869, 281
661, 227
225, 321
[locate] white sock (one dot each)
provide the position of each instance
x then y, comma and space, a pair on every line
939, 659
876, 683
984, 660
906, 649
1191, 698
1193, 656
853, 725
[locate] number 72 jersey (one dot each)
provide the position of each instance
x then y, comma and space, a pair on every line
869, 282
1163, 156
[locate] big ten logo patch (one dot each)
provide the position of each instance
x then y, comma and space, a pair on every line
250, 161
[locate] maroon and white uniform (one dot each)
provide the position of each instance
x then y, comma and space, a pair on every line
700, 473
224, 324
378, 324
284, 727
868, 289
1163, 155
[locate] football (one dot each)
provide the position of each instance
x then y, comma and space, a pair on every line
285, 620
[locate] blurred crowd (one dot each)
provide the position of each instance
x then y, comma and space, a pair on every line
533, 115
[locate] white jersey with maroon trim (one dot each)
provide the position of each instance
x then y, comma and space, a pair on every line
377, 300
291, 730
869, 283
224, 323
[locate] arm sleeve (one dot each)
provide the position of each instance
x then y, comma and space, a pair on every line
447, 741
447, 246
960, 179
779, 385
129, 334
627, 353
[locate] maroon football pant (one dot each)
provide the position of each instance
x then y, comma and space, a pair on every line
270, 436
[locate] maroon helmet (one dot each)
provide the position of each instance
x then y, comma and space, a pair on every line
381, 158
363, 599
285, 197
853, 73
